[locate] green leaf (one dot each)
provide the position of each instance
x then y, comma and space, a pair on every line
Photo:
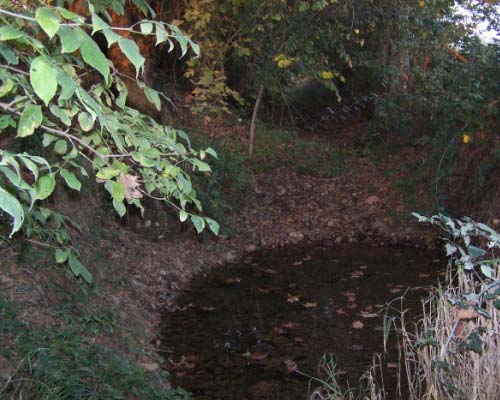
14, 178
10, 205
43, 78
45, 186
6, 121
146, 27
153, 97
107, 173
475, 252
92, 54
63, 115
131, 50
202, 166
61, 147
9, 55
67, 86
62, 255
48, 20
111, 36
7, 87
183, 215
198, 222
48, 139
213, 225
79, 269
98, 24
161, 34
116, 190
71, 179
119, 207
31, 118
86, 121
8, 32
69, 39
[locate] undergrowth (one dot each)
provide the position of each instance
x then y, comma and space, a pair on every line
83, 351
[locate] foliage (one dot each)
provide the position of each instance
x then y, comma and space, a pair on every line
59, 89
275, 43
440, 85
68, 362
453, 350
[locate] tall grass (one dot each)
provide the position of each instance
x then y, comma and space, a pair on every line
452, 351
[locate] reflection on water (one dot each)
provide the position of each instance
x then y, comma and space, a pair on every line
240, 332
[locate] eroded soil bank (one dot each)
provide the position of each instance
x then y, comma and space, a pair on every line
258, 329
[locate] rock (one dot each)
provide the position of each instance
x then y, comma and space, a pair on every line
331, 223
372, 200
147, 223
338, 240
496, 221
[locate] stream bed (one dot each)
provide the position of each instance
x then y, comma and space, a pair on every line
244, 330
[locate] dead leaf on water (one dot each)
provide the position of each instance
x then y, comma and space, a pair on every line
340, 311
261, 290
270, 271
292, 299
291, 366
232, 280
258, 356
310, 305
208, 308
296, 263
357, 325
392, 365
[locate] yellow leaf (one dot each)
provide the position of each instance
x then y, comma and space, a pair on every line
466, 138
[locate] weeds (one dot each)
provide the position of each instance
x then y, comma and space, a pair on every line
75, 357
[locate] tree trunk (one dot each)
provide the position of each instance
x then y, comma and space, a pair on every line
254, 117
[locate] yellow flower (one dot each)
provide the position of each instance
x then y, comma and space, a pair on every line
421, 3
326, 74
466, 138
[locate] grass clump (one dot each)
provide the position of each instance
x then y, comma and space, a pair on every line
78, 355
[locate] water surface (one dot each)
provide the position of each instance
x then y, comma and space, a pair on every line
240, 331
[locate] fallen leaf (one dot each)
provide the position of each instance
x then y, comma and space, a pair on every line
357, 274
258, 356
352, 306
291, 366
469, 313
265, 291
208, 308
270, 271
310, 305
372, 200
357, 325
290, 325
296, 263
232, 280
340, 311
424, 275
392, 365
292, 299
